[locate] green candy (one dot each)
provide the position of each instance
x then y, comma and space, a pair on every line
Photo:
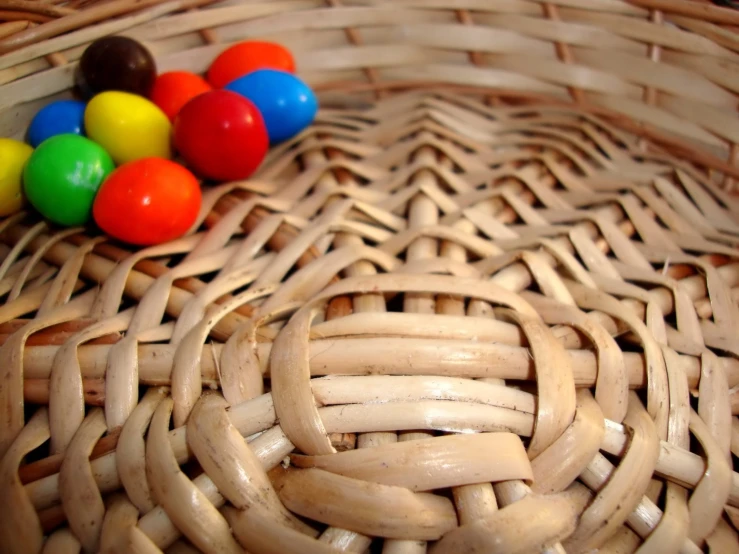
62, 177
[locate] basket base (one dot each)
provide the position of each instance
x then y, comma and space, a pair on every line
427, 324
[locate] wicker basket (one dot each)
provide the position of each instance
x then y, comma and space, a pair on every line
487, 303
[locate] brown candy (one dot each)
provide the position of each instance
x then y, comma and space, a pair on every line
116, 63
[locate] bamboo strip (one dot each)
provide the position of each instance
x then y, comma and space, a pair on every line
674, 463
342, 356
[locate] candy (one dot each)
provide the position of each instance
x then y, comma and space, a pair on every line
135, 119
221, 135
148, 201
62, 177
129, 127
174, 89
286, 103
245, 57
58, 118
116, 63
13, 156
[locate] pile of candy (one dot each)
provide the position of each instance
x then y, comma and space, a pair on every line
221, 127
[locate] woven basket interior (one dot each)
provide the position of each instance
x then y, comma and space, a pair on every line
413, 271
444, 318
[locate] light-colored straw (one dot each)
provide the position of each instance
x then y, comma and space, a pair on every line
487, 302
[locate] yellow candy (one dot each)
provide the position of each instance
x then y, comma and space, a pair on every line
13, 156
128, 126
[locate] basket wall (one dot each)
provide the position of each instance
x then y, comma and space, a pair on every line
486, 303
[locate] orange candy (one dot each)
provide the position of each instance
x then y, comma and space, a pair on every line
245, 57
174, 89
148, 201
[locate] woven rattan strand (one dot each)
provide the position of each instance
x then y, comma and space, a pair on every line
487, 302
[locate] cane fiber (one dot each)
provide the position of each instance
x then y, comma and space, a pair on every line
476, 307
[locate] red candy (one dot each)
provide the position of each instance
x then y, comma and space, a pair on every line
174, 89
148, 201
221, 135
245, 57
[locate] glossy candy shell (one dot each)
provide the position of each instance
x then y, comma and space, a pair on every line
286, 103
13, 157
129, 127
58, 118
245, 57
174, 89
62, 177
116, 63
148, 201
221, 135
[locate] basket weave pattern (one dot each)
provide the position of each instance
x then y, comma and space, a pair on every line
452, 319
668, 65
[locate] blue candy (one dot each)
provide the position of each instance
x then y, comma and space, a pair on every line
57, 118
287, 104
